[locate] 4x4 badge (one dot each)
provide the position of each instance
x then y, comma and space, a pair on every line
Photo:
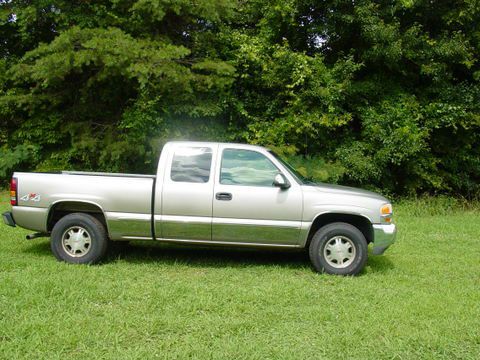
31, 197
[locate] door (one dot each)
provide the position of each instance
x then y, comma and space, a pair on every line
247, 207
187, 194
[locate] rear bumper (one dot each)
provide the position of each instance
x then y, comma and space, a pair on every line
8, 219
384, 236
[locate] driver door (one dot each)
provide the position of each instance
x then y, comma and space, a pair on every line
247, 207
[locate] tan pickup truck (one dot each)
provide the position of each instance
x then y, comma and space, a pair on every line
204, 194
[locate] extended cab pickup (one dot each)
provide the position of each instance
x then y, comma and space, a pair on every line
204, 194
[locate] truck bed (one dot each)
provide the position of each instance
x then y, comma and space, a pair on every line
125, 199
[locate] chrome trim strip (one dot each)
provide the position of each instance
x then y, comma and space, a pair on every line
184, 219
137, 238
208, 242
304, 231
256, 222
228, 221
123, 226
113, 215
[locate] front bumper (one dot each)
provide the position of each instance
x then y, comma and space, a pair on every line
384, 236
8, 219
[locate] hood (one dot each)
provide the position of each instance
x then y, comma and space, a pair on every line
347, 190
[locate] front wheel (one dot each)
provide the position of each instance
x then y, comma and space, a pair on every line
79, 239
339, 249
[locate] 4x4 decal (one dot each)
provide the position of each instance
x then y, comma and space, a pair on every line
31, 197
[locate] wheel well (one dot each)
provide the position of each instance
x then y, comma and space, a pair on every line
61, 209
360, 222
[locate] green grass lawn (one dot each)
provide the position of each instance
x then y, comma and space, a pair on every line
420, 300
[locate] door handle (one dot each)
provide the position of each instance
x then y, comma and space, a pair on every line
223, 196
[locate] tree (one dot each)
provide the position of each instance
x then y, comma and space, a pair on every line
381, 94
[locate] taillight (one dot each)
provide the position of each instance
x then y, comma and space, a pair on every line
13, 191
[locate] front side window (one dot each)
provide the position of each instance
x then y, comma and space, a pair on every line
191, 164
246, 167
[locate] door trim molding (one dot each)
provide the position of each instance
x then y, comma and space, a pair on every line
229, 243
229, 221
257, 222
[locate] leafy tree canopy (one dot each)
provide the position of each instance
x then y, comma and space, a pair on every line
381, 94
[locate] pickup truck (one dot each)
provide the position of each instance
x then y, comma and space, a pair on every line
204, 193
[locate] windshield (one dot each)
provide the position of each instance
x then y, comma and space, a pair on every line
302, 180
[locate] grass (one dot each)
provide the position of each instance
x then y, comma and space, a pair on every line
420, 300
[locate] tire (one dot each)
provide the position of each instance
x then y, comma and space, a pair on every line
338, 248
79, 239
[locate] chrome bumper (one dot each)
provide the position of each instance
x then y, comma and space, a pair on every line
8, 219
384, 236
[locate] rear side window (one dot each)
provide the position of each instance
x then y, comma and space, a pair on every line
246, 167
191, 164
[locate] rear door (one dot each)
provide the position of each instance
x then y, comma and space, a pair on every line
247, 207
187, 193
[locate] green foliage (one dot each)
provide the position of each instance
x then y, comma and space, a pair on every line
22, 156
383, 95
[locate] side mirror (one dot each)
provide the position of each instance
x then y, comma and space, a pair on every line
281, 181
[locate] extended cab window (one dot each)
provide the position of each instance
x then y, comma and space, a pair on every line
246, 167
191, 164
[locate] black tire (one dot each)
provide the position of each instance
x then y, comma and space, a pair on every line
92, 239
353, 246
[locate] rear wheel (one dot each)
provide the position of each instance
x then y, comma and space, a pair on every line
338, 248
79, 239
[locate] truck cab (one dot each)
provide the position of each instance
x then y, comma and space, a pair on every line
227, 194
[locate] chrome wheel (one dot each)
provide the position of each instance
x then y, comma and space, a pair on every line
76, 241
339, 252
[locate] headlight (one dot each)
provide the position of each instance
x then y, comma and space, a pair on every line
386, 212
